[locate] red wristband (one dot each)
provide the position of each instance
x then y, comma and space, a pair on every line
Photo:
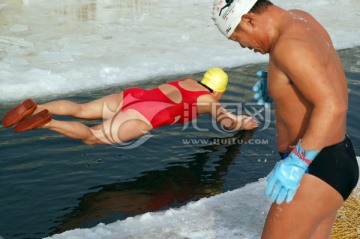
300, 156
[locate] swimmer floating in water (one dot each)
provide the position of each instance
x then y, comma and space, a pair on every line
133, 112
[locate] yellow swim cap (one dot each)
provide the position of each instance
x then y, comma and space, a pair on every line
216, 79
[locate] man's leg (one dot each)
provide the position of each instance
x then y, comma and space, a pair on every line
104, 107
309, 215
325, 227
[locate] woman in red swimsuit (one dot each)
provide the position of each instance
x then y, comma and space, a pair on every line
133, 112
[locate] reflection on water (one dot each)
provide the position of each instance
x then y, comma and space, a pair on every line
173, 186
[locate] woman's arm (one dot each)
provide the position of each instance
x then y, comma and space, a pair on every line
230, 121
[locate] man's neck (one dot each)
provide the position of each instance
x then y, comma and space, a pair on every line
273, 22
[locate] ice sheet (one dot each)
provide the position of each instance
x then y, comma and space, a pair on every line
51, 48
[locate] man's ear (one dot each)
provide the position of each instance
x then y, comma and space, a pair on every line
247, 18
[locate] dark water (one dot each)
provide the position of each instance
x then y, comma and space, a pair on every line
49, 183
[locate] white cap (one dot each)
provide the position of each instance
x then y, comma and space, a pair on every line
227, 14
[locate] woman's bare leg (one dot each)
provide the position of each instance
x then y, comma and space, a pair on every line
122, 127
74, 130
309, 215
104, 107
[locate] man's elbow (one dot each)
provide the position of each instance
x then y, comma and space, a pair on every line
344, 108
338, 108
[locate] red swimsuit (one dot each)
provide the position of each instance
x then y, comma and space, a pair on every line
158, 109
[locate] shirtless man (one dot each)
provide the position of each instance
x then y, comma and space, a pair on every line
308, 86
133, 112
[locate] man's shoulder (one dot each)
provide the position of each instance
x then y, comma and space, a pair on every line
299, 12
286, 45
293, 43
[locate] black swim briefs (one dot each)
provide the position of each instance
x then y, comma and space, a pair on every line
337, 166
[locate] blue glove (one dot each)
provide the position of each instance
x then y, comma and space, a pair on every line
261, 91
284, 179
